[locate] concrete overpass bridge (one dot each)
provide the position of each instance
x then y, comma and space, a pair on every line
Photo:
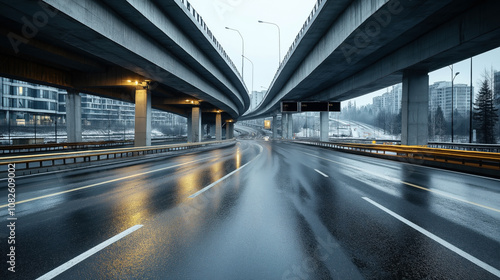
350, 48
158, 54
247, 209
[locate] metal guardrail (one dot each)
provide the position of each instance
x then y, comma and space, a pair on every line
490, 148
169, 139
58, 159
466, 158
363, 141
10, 149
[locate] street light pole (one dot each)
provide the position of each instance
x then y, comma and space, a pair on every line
452, 100
242, 50
252, 69
279, 39
35, 126
470, 103
55, 113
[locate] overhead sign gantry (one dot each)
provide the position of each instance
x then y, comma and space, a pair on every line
309, 106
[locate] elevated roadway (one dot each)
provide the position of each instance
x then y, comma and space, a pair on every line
158, 54
350, 48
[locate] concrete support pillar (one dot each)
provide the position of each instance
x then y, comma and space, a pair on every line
218, 126
74, 116
284, 126
275, 126
290, 127
189, 130
229, 130
414, 108
196, 127
324, 129
142, 118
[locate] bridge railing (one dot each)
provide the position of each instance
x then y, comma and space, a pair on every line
208, 33
44, 162
301, 33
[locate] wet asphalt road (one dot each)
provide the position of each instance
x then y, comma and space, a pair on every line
289, 212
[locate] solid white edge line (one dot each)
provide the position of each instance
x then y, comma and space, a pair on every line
324, 175
394, 180
107, 182
60, 269
225, 177
150, 157
439, 240
429, 167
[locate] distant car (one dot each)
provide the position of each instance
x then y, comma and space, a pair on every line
266, 138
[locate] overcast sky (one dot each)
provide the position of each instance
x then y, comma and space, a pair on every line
261, 40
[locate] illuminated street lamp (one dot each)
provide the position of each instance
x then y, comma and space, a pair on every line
252, 69
452, 100
242, 49
279, 39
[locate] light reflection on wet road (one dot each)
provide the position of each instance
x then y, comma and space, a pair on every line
276, 218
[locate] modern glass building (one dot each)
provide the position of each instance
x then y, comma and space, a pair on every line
100, 111
26, 104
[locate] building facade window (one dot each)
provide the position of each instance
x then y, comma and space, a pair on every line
25, 104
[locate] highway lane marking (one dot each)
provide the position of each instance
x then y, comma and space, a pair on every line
147, 158
84, 152
450, 196
439, 240
435, 168
411, 185
60, 269
324, 175
227, 176
357, 168
107, 182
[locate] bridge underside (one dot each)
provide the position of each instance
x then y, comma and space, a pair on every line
371, 46
118, 50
